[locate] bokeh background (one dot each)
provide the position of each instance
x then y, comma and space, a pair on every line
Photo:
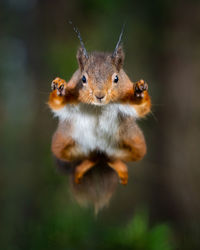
160, 206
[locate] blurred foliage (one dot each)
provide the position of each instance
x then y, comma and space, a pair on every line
64, 229
138, 235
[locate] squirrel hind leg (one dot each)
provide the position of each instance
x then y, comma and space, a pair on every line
121, 170
132, 143
82, 168
133, 149
65, 148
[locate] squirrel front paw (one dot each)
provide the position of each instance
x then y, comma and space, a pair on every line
60, 85
139, 88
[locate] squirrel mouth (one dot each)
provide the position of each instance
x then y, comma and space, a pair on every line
98, 103
99, 100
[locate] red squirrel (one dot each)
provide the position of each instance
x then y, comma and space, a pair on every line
97, 111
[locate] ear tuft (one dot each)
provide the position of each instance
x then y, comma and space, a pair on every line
118, 58
81, 58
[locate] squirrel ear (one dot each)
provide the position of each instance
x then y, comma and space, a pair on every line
118, 58
81, 57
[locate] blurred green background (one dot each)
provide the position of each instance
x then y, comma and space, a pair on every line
159, 209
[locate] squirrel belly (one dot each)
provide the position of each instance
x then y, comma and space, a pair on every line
96, 128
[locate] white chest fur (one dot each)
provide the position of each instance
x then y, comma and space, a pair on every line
95, 127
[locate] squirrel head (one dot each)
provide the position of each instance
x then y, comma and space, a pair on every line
102, 78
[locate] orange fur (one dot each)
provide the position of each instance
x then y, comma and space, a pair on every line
132, 143
134, 148
65, 148
55, 101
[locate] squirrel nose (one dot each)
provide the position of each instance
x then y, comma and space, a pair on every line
100, 97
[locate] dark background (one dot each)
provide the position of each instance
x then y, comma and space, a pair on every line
160, 206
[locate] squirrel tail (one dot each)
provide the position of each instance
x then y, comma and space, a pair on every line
96, 187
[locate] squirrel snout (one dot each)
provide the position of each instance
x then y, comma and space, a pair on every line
99, 96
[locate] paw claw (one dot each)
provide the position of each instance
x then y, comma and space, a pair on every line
54, 85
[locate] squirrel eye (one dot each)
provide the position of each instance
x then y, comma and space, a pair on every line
84, 79
116, 79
